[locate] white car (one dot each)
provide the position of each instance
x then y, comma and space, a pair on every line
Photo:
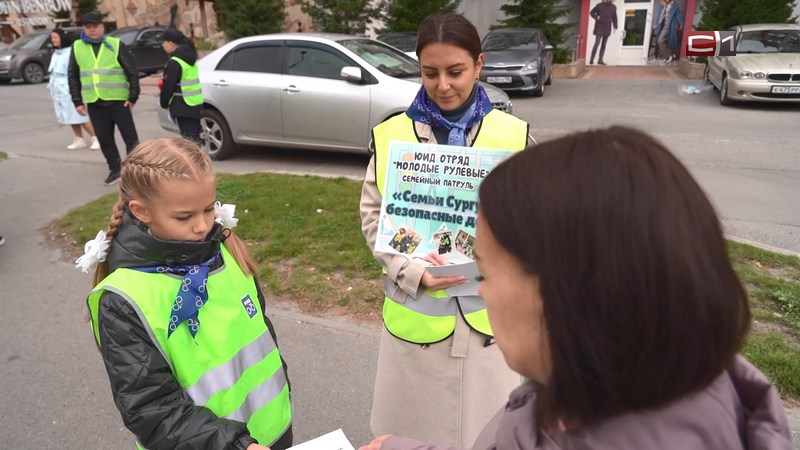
766, 66
303, 90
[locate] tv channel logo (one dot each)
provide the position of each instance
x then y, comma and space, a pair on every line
711, 43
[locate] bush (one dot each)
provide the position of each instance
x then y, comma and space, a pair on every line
724, 14
240, 18
406, 15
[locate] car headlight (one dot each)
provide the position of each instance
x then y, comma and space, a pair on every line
745, 74
6, 58
531, 66
759, 75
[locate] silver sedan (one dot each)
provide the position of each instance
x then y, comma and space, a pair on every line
766, 66
303, 90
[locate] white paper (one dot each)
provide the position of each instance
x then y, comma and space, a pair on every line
335, 440
467, 270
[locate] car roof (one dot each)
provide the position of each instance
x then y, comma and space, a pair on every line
514, 30
769, 26
301, 36
146, 27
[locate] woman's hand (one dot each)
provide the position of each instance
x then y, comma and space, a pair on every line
436, 283
256, 447
374, 445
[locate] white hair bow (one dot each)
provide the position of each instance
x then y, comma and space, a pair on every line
225, 214
95, 251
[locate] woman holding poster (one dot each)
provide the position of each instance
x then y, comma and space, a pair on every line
440, 375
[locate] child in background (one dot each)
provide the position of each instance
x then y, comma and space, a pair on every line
178, 316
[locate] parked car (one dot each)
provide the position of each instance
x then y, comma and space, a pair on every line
766, 66
145, 46
518, 60
304, 90
28, 57
405, 41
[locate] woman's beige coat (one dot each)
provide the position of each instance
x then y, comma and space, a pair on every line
444, 392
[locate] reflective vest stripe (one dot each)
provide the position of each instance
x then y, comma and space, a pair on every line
425, 304
224, 376
188, 93
424, 319
110, 71
189, 82
112, 85
86, 73
260, 397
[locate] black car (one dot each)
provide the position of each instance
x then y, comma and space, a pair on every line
144, 44
28, 57
405, 41
517, 59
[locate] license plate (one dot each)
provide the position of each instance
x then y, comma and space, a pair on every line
498, 79
786, 89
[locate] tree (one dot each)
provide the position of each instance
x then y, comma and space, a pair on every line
240, 18
406, 15
540, 14
723, 14
341, 16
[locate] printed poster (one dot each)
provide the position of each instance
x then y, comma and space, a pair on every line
430, 199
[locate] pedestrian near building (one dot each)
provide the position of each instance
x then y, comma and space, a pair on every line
605, 16
608, 283
59, 92
667, 29
104, 83
439, 376
180, 87
177, 314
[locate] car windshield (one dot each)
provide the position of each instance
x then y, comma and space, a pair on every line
29, 41
498, 42
383, 57
402, 42
769, 41
126, 36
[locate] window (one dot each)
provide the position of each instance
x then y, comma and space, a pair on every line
253, 58
152, 38
309, 61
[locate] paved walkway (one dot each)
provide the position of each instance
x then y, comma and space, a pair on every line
631, 72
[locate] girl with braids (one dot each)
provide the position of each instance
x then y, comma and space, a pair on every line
177, 314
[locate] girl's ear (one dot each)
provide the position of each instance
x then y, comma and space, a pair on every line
140, 211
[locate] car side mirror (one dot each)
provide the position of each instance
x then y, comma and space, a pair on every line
548, 48
352, 74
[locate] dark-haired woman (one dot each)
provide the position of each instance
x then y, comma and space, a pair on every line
180, 85
439, 377
59, 91
608, 285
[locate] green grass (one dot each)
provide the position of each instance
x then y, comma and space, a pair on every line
305, 233
3, 155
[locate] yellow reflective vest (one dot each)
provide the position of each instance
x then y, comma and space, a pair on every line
189, 84
232, 366
432, 317
102, 76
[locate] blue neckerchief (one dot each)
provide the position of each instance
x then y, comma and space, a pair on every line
424, 110
192, 293
102, 40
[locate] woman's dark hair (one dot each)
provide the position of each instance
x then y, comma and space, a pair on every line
641, 304
449, 28
66, 38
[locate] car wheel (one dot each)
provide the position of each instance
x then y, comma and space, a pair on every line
538, 92
33, 73
706, 78
723, 92
549, 79
216, 134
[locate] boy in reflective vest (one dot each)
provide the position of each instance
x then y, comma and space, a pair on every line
177, 314
180, 86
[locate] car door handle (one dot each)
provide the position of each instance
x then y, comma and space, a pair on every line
291, 88
221, 83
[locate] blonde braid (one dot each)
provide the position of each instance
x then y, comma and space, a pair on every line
101, 271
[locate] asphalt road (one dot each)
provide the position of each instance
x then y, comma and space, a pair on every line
53, 389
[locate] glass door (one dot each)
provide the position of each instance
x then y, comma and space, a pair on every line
634, 17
